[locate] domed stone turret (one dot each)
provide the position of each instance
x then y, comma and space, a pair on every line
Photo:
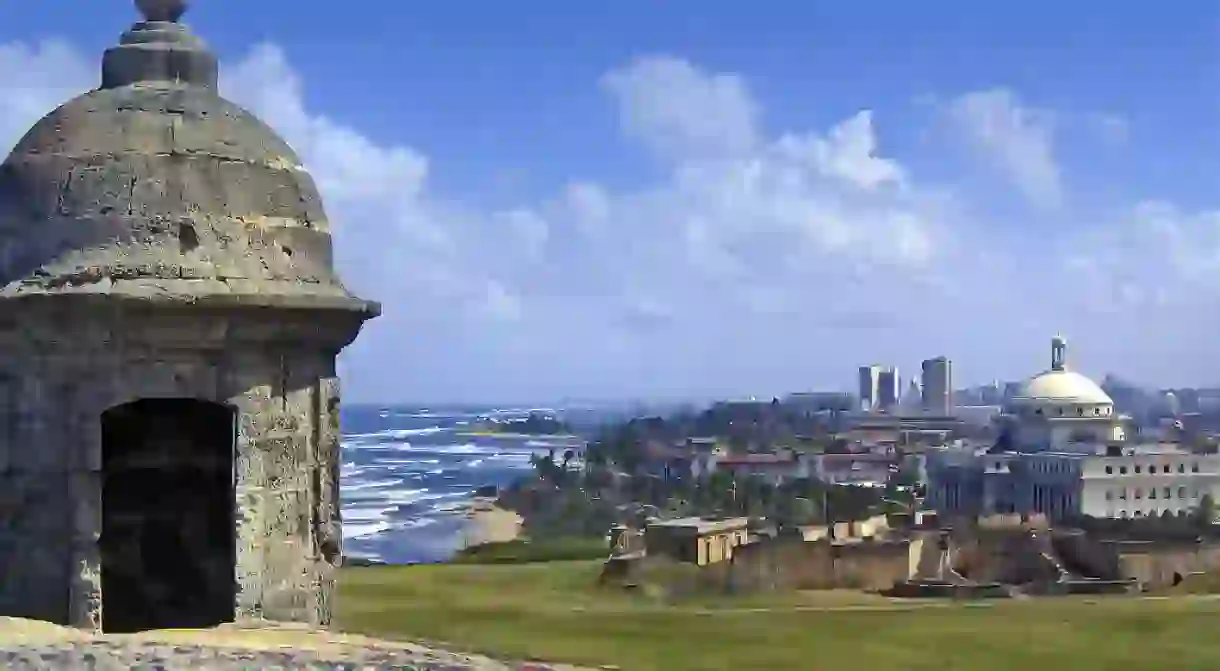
170, 319
155, 187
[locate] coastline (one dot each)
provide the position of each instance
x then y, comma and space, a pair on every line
489, 523
518, 436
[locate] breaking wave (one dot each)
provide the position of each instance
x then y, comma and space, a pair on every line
406, 478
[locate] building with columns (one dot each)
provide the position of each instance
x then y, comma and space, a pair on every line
1064, 452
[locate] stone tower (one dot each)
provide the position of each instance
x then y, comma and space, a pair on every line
170, 319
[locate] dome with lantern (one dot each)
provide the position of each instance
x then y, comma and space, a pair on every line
1060, 392
154, 187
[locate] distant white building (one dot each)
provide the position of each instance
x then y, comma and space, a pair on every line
889, 388
1063, 454
937, 392
869, 387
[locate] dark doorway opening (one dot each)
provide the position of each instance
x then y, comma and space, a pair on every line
168, 546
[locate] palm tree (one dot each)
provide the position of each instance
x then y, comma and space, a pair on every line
595, 455
568, 455
544, 466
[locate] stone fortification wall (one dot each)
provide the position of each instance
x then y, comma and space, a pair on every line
1085, 556
928, 550
786, 564
872, 566
1012, 521
870, 527
1001, 553
1160, 564
1015, 556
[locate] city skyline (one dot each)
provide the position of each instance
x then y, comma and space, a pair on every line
853, 190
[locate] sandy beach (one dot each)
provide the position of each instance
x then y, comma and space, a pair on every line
490, 523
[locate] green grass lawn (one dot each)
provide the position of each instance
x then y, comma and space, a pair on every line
552, 611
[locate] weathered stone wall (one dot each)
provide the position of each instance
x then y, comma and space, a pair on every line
871, 565
781, 564
928, 550
1000, 554
60, 375
785, 564
1012, 556
1086, 556
157, 241
123, 187
1163, 564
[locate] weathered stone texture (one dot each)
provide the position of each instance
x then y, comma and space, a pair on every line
159, 242
165, 184
285, 470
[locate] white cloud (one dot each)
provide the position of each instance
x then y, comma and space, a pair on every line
679, 109
1017, 138
848, 152
34, 78
500, 303
1155, 256
760, 258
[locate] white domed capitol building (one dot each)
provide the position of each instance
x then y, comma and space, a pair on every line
1060, 408
1065, 453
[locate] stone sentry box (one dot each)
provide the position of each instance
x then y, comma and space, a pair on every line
169, 317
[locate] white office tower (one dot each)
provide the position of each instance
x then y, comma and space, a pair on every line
888, 388
869, 385
938, 386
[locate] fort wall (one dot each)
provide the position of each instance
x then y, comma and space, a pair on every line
787, 564
1161, 564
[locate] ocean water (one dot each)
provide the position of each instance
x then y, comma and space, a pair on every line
407, 473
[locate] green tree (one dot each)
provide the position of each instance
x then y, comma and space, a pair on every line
545, 467
595, 455
1205, 512
793, 511
597, 479
630, 456
720, 486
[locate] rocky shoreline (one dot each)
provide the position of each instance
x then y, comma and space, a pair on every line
29, 644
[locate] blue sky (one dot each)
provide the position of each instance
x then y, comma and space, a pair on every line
626, 199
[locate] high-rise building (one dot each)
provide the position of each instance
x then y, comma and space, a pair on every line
938, 386
911, 403
869, 386
888, 388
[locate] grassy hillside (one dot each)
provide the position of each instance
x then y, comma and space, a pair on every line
552, 611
